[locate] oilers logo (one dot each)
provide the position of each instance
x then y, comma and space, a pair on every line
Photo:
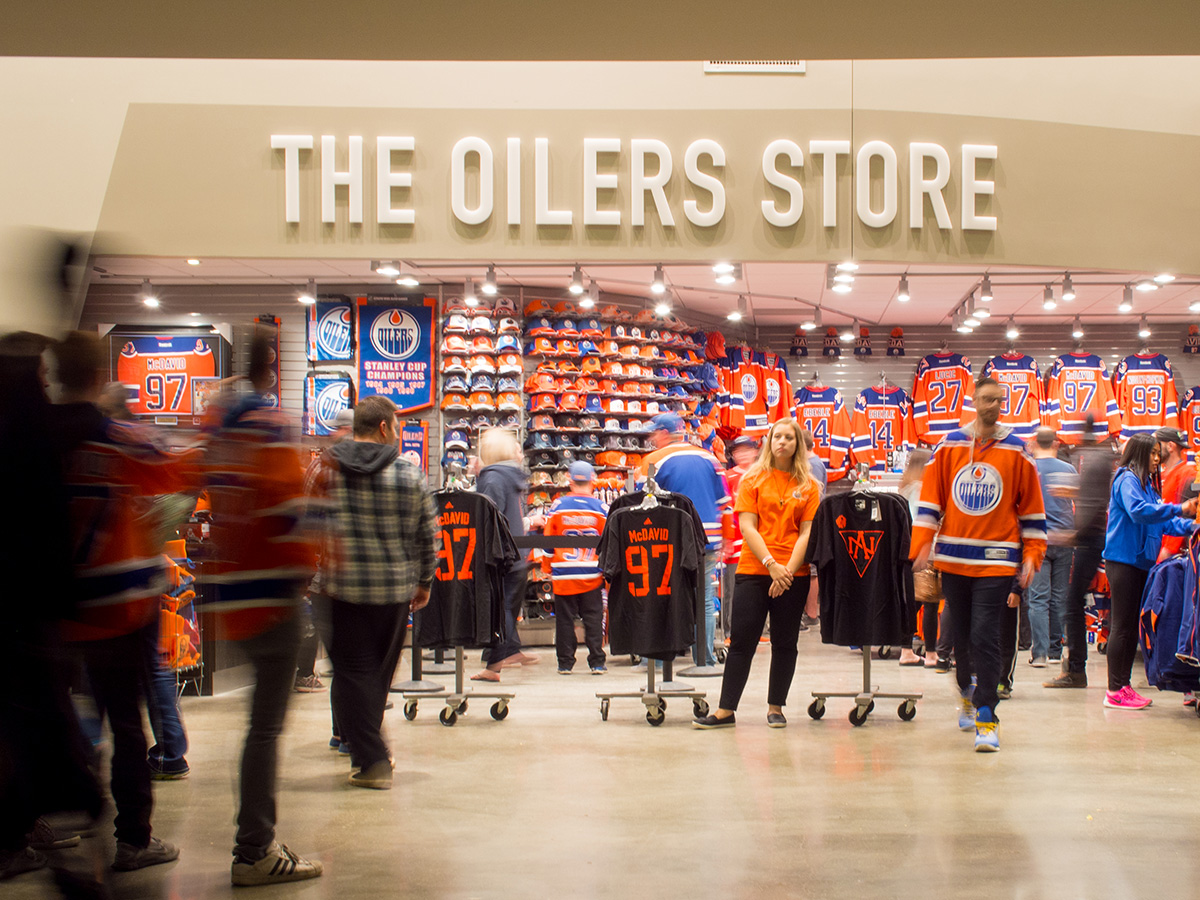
749, 388
331, 400
977, 489
395, 334
772, 388
129, 351
333, 332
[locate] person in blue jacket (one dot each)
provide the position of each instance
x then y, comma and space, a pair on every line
1137, 521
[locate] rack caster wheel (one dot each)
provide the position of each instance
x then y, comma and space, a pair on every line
1102, 647
907, 710
410, 710
722, 654
885, 652
447, 717
499, 711
816, 709
700, 708
603, 710
461, 709
871, 706
858, 716
656, 716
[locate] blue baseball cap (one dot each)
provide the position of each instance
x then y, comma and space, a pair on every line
581, 472
668, 422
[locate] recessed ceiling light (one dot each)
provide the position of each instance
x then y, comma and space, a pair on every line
408, 280
847, 266
194, 314
1164, 278
1146, 286
386, 268
723, 268
193, 262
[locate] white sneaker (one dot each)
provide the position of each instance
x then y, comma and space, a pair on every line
279, 865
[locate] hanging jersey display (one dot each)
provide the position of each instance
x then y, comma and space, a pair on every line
941, 397
1024, 400
1144, 386
1079, 387
776, 385
1162, 608
1189, 419
475, 552
822, 411
859, 544
650, 558
882, 426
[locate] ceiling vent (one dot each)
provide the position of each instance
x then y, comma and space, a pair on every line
754, 67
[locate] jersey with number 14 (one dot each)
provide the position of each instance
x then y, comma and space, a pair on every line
1145, 390
1024, 397
822, 412
882, 423
1079, 387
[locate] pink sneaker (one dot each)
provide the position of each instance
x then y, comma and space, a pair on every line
1125, 698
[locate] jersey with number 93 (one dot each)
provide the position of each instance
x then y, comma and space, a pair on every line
1144, 385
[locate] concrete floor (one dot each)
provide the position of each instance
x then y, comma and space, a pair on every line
1081, 802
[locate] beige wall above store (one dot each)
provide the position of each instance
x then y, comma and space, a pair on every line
820, 184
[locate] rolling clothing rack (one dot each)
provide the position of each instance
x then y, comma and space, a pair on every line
456, 700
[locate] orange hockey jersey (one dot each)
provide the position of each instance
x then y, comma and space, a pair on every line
1078, 386
983, 502
941, 396
820, 410
572, 570
1189, 419
776, 385
882, 423
1144, 386
1024, 394
747, 383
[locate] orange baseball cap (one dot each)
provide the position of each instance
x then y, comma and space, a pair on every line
454, 401
544, 346
544, 401
571, 402
590, 366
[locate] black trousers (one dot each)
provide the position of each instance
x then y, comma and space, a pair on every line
588, 606
509, 644
115, 672
929, 626
976, 608
1011, 619
751, 607
1083, 570
367, 641
1126, 584
322, 619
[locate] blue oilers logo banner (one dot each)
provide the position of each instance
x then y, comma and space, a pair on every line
395, 353
896, 343
1191, 343
977, 489
269, 325
414, 444
799, 343
330, 331
325, 395
830, 345
862, 343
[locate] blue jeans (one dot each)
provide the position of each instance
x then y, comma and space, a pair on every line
706, 657
1047, 601
162, 703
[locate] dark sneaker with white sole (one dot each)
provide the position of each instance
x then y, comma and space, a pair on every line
278, 865
776, 720
155, 853
713, 722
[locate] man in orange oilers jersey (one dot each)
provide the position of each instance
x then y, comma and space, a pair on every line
982, 499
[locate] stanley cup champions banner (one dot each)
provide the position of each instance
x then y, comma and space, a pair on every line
395, 353
329, 332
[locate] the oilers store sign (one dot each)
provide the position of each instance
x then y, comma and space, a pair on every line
395, 353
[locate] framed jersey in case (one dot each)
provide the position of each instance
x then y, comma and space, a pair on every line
170, 373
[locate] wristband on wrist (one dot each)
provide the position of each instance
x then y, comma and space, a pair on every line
768, 561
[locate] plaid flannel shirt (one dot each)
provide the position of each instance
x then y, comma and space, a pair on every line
378, 542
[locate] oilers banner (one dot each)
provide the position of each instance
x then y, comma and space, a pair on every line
325, 395
329, 331
395, 353
414, 444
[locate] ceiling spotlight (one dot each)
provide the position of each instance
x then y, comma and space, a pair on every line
576, 286
844, 278
489, 282
469, 297
1048, 301
1068, 290
1077, 331
723, 268
593, 296
408, 280
1012, 333
971, 321
662, 308
978, 310
985, 289
148, 296
733, 275
1143, 327
850, 331
1194, 306
847, 266
194, 315
902, 293
738, 314
659, 284
308, 296
386, 268
842, 288
1126, 304
196, 262
963, 327
1164, 278
814, 321
1146, 286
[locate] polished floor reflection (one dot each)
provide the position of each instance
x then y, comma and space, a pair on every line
552, 802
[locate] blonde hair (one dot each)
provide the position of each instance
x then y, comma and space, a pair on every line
800, 469
498, 445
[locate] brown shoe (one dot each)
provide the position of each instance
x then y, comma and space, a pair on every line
1067, 680
377, 775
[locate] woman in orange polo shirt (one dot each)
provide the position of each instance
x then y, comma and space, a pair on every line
776, 502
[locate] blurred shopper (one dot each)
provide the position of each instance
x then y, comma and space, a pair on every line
575, 572
1048, 590
114, 470
43, 752
260, 560
1137, 521
927, 583
377, 561
502, 479
683, 467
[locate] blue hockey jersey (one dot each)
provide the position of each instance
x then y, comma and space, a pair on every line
1161, 618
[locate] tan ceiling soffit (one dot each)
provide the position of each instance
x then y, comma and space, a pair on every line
616, 30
